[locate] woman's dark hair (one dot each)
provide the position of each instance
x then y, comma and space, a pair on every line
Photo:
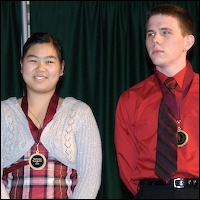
40, 38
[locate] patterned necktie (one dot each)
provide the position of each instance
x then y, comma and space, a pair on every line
171, 84
166, 152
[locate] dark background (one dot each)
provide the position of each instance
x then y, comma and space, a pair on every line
105, 54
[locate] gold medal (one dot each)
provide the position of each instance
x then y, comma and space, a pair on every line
182, 135
37, 161
182, 138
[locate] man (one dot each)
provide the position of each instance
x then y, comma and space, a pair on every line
139, 124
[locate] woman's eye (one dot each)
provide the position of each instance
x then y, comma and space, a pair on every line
32, 61
49, 61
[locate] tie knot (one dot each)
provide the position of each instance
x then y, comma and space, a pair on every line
170, 83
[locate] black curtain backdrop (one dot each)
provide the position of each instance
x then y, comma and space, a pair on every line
105, 54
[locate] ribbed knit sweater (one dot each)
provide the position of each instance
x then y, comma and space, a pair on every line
72, 137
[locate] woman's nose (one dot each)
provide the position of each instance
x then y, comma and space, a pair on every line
41, 65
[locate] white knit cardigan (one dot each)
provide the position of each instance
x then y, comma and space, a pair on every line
72, 137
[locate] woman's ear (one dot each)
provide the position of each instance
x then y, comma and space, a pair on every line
21, 66
62, 68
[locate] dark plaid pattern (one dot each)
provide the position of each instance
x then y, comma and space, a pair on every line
54, 181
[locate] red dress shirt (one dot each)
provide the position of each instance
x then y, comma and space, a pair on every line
136, 127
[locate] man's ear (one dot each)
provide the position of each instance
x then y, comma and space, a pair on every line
189, 42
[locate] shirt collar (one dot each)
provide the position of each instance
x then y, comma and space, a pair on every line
179, 77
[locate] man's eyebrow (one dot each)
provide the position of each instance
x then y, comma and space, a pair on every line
150, 30
164, 28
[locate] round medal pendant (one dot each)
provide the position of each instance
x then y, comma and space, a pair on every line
37, 161
182, 138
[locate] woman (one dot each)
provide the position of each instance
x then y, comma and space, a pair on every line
50, 146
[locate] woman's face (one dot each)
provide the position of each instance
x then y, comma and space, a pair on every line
41, 68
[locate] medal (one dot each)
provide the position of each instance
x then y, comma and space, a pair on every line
182, 136
37, 161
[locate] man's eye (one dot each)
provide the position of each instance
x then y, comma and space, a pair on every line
166, 32
150, 34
